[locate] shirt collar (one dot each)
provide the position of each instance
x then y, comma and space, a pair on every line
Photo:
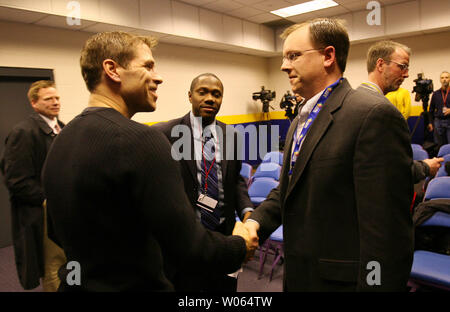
309, 105
50, 122
196, 125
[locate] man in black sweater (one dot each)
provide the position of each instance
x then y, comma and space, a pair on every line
115, 200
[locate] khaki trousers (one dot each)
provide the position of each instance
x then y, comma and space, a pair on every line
54, 258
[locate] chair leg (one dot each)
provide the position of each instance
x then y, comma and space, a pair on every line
262, 257
278, 255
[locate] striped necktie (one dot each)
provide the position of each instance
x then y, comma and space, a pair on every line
209, 169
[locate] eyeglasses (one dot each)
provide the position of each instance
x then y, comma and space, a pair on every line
403, 67
294, 55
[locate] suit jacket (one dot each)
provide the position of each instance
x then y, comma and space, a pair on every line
236, 197
420, 170
347, 201
26, 147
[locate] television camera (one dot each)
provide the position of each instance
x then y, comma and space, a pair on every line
265, 96
290, 105
423, 89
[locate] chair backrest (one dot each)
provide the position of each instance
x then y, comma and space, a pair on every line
442, 172
274, 157
417, 146
246, 170
420, 154
268, 170
438, 188
277, 235
444, 150
261, 187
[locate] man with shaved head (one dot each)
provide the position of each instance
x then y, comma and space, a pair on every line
210, 174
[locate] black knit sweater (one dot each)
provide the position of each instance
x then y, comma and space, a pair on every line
117, 206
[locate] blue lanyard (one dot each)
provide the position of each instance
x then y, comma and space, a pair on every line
314, 112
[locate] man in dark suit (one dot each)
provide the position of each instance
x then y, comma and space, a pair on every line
387, 67
217, 176
115, 198
26, 147
345, 186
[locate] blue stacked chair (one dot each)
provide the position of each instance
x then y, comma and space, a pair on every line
438, 188
246, 171
420, 154
416, 146
260, 188
431, 268
441, 172
444, 150
267, 170
274, 157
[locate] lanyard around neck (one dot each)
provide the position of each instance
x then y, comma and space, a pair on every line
312, 116
207, 171
444, 97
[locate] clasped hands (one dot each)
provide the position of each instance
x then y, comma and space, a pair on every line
248, 231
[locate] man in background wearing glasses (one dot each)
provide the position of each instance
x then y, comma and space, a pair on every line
345, 186
388, 65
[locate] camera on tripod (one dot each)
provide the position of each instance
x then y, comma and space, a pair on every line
289, 104
265, 96
423, 89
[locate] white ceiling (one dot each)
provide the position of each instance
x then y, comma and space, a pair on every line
258, 11
227, 25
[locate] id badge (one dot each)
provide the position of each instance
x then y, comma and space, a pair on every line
206, 202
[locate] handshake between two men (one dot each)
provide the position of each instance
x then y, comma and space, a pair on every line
248, 231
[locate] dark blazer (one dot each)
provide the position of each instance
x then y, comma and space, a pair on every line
26, 147
347, 202
235, 189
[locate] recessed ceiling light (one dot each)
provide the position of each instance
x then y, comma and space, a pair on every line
304, 8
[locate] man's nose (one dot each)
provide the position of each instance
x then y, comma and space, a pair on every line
406, 74
285, 65
157, 78
209, 99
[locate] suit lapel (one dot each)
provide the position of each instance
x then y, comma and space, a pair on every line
43, 125
318, 129
223, 149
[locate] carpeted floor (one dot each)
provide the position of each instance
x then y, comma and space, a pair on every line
9, 282
248, 279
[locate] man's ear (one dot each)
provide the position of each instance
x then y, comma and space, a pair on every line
330, 56
110, 67
379, 64
190, 96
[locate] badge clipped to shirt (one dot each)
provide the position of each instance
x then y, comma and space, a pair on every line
206, 202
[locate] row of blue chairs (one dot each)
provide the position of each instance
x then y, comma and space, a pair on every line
266, 178
431, 268
419, 153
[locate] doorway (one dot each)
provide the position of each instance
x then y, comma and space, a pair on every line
14, 107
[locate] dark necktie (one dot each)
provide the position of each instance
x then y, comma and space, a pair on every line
209, 168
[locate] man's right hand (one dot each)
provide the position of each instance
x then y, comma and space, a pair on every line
434, 164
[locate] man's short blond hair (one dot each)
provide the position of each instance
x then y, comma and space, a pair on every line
326, 32
118, 46
383, 50
36, 86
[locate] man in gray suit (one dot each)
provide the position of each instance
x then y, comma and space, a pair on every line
346, 186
